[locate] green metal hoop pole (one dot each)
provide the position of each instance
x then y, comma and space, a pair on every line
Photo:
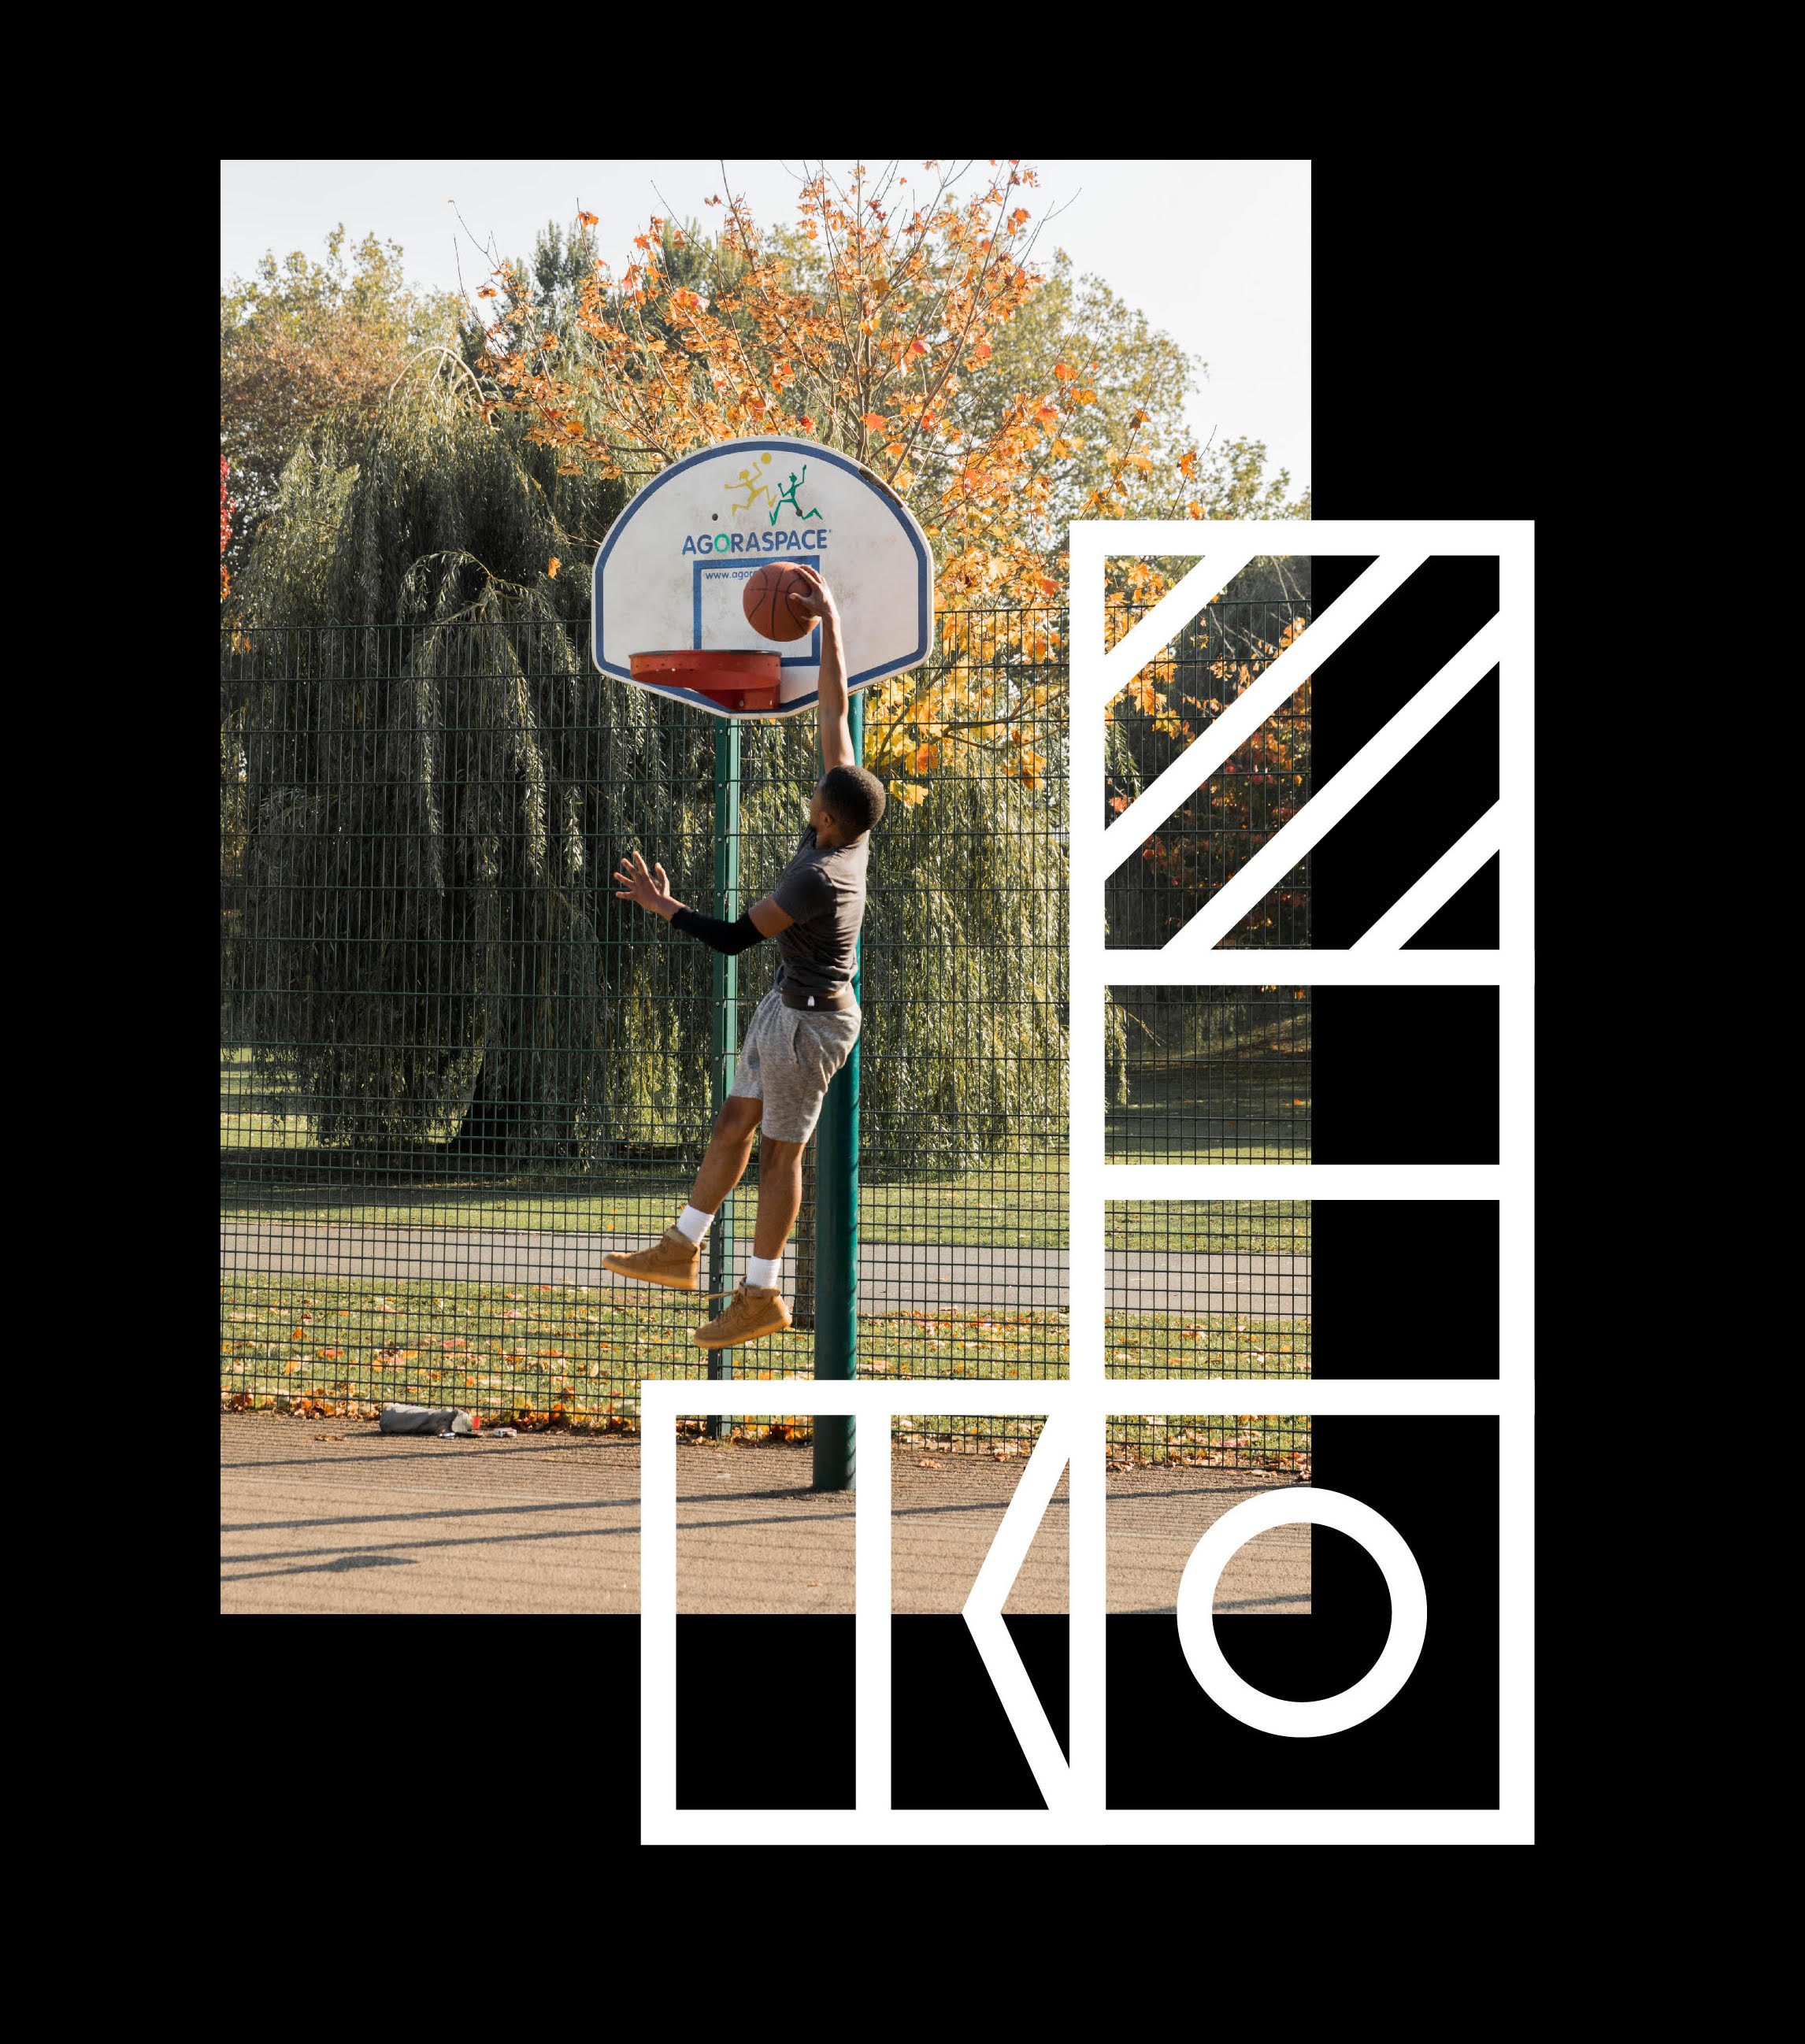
837, 1236
724, 1009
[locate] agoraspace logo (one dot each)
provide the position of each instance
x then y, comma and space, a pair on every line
765, 491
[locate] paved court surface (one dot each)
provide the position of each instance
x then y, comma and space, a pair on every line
336, 1517
892, 1276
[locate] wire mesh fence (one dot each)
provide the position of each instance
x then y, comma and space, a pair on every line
1207, 1075
455, 1070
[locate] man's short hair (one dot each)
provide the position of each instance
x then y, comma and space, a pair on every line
854, 798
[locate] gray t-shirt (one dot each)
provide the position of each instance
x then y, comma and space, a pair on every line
824, 891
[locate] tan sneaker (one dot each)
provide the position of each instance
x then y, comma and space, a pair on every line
753, 1310
671, 1260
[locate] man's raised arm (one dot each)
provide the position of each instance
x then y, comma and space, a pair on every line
835, 732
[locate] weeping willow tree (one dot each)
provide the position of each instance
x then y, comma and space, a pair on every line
421, 748
426, 788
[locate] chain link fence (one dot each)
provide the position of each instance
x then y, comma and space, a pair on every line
455, 1070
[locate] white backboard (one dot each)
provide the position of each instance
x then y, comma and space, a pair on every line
671, 572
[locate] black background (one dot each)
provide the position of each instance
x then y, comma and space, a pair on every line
1438, 292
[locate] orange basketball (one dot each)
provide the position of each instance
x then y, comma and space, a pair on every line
767, 606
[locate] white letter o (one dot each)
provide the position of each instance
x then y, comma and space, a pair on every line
1280, 1714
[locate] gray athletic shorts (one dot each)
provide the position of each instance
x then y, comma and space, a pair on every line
786, 1060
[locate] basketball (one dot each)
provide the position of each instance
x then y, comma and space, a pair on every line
766, 603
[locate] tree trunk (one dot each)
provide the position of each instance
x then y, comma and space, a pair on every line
485, 1135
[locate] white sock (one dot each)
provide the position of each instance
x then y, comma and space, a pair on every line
765, 1270
693, 1223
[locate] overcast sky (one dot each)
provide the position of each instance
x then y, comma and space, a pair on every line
1215, 253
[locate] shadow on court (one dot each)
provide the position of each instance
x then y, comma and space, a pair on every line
325, 1516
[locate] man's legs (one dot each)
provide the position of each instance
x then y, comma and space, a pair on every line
729, 1152
780, 1194
675, 1260
797, 1062
757, 1306
779, 1174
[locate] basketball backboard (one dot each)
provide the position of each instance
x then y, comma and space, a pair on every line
673, 572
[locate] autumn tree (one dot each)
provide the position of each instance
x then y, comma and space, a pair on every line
860, 326
448, 794
1134, 438
562, 261
909, 327
302, 342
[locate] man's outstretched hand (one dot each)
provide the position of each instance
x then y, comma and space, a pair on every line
650, 888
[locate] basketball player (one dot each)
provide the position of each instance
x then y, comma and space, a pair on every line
804, 1029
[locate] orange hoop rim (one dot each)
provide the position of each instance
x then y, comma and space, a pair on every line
741, 677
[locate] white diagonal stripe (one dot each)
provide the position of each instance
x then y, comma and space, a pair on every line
1169, 616
1375, 759
984, 1612
1438, 887
1212, 748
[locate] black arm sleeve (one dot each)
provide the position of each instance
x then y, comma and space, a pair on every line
732, 938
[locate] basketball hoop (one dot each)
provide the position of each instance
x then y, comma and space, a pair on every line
737, 681
702, 563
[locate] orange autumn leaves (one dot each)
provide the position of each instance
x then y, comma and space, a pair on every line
225, 510
865, 325
1151, 691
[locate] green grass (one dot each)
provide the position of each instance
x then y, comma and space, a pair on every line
1154, 1137
1210, 1228
274, 1172
961, 1209
1012, 1207
1244, 1441
569, 1354
1164, 1345
252, 1115
1205, 1111
570, 1349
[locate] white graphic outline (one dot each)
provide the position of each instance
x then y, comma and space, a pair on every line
1079, 1407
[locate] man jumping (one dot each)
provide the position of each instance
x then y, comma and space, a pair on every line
804, 1029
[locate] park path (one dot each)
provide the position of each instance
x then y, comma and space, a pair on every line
336, 1516
892, 1276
